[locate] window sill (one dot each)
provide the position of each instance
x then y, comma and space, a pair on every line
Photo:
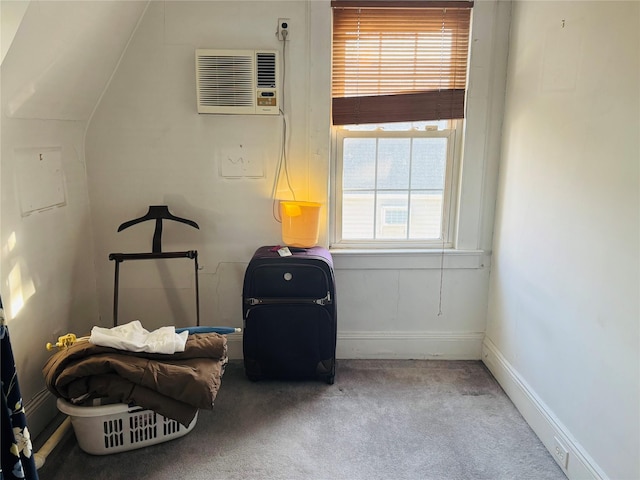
407, 259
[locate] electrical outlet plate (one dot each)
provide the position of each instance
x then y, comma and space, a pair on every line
284, 24
561, 453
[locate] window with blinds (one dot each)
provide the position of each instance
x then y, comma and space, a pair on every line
399, 75
398, 61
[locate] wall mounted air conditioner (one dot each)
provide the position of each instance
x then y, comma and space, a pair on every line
237, 81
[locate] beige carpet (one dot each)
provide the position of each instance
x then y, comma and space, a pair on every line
387, 420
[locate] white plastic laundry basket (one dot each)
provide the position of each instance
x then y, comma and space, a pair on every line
105, 429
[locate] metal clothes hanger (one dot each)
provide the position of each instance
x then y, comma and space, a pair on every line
157, 213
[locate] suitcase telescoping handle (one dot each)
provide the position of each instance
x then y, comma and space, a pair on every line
273, 301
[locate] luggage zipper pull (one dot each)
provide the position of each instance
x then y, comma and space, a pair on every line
324, 301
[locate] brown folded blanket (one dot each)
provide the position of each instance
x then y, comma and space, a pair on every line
175, 386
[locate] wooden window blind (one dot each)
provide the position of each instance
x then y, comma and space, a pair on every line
397, 64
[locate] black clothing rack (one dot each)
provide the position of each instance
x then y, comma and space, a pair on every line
157, 213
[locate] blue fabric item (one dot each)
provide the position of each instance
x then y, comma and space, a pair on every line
220, 330
17, 451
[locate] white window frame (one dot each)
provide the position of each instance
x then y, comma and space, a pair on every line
450, 195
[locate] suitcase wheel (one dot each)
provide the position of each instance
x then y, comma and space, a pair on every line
331, 376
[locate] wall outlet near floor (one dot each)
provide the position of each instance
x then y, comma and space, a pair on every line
561, 453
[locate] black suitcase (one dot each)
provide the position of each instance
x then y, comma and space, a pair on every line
289, 310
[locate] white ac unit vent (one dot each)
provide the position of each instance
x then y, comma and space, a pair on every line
237, 81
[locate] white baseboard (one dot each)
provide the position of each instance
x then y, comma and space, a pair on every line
40, 411
541, 419
396, 345
410, 345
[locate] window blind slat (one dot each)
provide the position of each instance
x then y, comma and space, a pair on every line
411, 107
416, 58
401, 3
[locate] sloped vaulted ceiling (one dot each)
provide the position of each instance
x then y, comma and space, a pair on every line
63, 55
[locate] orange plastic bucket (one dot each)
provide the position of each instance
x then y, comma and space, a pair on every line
300, 223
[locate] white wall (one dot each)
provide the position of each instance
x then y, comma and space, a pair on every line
130, 125
563, 331
12, 15
51, 81
147, 145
